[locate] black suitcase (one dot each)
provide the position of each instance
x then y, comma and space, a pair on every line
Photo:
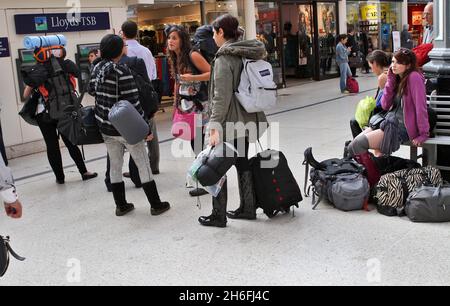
275, 186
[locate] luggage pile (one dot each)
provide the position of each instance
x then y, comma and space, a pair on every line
397, 186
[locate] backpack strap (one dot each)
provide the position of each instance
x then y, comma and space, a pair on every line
305, 191
10, 250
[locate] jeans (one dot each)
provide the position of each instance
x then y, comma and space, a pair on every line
344, 68
116, 149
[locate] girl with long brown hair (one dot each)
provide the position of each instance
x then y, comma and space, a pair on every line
191, 71
405, 93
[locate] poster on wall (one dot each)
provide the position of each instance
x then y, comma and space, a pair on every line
417, 18
327, 20
386, 37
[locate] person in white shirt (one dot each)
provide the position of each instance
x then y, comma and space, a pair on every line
428, 33
129, 34
13, 207
134, 48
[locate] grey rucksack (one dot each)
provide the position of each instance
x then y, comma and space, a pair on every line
429, 204
340, 181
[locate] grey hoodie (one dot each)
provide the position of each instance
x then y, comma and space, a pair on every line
225, 78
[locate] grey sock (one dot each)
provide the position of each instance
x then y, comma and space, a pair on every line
359, 145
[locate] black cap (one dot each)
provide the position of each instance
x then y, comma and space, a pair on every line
111, 46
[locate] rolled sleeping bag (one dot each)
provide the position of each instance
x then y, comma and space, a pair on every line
128, 122
33, 42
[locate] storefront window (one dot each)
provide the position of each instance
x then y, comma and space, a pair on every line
267, 31
376, 19
214, 9
327, 37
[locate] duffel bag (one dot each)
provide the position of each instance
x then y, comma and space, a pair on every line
429, 204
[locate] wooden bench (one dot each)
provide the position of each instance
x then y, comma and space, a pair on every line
441, 105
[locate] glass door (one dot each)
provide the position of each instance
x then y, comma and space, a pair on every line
298, 40
327, 32
268, 32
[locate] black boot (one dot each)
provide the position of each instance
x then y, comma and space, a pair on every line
218, 217
346, 153
247, 208
123, 208
151, 192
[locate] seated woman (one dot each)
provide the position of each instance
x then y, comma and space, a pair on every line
404, 93
379, 63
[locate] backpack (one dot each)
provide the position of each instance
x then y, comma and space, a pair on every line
394, 188
257, 92
352, 85
204, 43
364, 111
61, 92
339, 181
275, 186
5, 251
148, 97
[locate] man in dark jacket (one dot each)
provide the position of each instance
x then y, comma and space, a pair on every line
352, 43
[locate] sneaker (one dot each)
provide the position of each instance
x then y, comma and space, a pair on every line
346, 92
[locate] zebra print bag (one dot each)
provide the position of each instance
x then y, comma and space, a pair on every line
393, 189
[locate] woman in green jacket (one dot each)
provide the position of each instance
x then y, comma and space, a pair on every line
227, 115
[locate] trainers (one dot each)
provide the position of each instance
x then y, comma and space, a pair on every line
346, 92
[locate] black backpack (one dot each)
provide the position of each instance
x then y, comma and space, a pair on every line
61, 93
148, 97
204, 43
275, 186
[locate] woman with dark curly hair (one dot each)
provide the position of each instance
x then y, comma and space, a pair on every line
191, 72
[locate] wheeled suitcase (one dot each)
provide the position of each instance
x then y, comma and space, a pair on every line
275, 186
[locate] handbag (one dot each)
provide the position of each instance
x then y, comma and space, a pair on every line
184, 125
376, 120
356, 61
90, 131
5, 250
28, 111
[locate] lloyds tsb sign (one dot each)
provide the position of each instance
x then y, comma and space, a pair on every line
57, 23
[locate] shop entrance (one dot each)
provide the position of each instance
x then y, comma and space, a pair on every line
309, 40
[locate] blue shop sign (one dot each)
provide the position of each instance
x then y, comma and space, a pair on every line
4, 47
58, 23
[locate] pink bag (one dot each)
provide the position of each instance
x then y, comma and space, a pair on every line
352, 85
183, 125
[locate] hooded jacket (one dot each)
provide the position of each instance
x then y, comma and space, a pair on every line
414, 98
225, 78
